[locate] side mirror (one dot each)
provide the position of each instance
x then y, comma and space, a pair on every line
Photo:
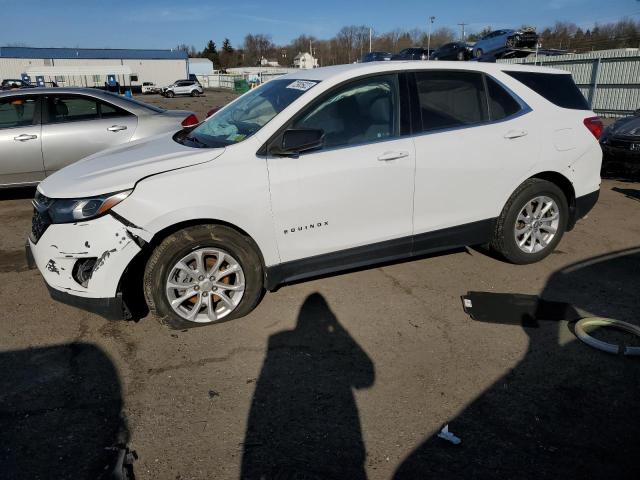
298, 140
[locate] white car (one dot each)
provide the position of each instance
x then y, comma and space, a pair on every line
318, 171
183, 87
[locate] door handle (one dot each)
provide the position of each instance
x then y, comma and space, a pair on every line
24, 137
515, 134
388, 156
117, 128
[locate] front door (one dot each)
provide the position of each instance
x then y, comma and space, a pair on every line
76, 126
20, 137
357, 189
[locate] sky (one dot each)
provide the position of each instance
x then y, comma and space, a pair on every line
166, 23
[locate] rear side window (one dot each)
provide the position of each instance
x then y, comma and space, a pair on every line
558, 88
451, 99
71, 109
17, 111
501, 103
111, 111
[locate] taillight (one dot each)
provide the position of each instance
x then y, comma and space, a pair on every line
595, 126
190, 120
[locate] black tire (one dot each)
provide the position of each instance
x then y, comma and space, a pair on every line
170, 94
179, 244
461, 56
195, 93
478, 53
504, 242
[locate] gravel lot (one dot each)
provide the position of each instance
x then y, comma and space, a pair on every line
348, 376
199, 105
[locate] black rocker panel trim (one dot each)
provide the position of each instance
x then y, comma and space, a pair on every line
447, 238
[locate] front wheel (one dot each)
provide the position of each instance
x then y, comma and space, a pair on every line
461, 56
170, 94
202, 275
195, 93
478, 53
531, 223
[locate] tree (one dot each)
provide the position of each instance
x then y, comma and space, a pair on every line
211, 52
227, 56
257, 47
190, 49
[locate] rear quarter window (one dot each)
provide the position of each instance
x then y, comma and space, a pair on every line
558, 88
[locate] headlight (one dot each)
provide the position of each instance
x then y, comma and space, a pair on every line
65, 210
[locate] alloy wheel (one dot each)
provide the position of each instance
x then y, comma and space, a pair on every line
205, 285
537, 224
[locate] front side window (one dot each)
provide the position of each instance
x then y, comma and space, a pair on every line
248, 114
17, 111
63, 109
451, 99
363, 111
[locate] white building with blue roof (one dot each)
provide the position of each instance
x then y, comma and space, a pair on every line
91, 67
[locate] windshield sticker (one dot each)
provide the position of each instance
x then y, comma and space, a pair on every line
303, 85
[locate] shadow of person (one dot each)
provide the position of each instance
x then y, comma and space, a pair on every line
60, 414
565, 410
304, 423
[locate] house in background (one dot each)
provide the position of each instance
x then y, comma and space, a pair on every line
305, 60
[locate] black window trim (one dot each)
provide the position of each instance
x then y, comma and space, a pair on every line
263, 151
37, 111
524, 107
44, 108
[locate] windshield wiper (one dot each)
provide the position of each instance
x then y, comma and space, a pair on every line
196, 140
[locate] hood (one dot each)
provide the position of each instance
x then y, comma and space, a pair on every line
121, 167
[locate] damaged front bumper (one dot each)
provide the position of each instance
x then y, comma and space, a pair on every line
82, 263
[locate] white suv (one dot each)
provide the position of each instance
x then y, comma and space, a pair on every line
183, 87
318, 171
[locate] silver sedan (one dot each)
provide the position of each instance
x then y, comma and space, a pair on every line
45, 129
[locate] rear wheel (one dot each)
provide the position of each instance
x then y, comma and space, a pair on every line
461, 56
202, 275
532, 222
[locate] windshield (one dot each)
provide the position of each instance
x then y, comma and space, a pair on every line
248, 114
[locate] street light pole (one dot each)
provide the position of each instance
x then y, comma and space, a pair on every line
431, 19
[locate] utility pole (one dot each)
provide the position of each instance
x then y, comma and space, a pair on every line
462, 25
370, 34
431, 19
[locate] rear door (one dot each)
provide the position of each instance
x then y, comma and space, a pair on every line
20, 137
182, 88
473, 150
75, 126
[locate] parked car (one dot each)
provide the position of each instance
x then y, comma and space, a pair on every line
13, 84
149, 87
414, 53
621, 146
376, 57
183, 87
285, 183
453, 51
45, 129
506, 38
